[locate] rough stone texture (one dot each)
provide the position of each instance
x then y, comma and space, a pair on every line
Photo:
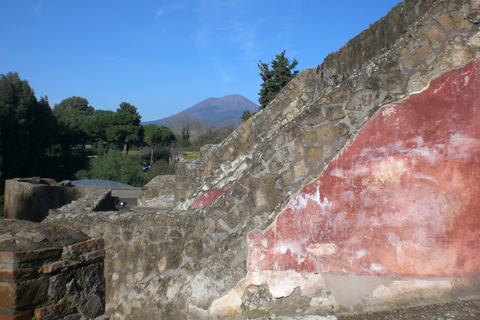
34, 198
400, 200
19, 236
49, 271
158, 193
91, 199
30, 199
270, 158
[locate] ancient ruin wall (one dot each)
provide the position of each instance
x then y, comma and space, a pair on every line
441, 40
201, 255
49, 271
374, 51
34, 198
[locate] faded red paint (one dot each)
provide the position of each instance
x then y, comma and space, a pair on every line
402, 199
207, 198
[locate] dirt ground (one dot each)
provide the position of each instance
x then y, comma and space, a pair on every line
465, 309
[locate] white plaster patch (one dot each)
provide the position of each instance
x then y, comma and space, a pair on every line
322, 249
300, 201
376, 267
264, 242
280, 284
425, 153
388, 111
202, 287
424, 177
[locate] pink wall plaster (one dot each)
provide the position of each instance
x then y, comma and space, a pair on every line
403, 199
207, 198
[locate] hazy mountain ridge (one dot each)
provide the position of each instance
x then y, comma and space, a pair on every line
213, 110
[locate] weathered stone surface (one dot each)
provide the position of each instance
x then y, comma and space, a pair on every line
460, 20
446, 22
256, 302
435, 35
32, 236
425, 52
334, 113
314, 155
193, 249
325, 132
341, 130
416, 196
309, 136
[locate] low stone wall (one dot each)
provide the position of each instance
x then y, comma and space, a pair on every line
33, 198
158, 193
49, 272
90, 199
143, 250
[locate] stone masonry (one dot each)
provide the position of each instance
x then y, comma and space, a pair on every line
179, 264
49, 272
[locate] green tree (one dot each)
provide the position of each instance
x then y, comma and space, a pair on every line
155, 135
185, 136
107, 127
75, 103
116, 168
127, 128
97, 125
160, 167
27, 128
247, 114
71, 115
275, 75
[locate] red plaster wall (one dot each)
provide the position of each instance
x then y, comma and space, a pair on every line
207, 198
402, 199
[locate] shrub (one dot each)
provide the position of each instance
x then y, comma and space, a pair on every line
116, 168
161, 167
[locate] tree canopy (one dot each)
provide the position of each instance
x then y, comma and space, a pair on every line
275, 75
71, 115
27, 127
126, 128
157, 135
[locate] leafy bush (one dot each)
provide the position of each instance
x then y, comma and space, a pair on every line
161, 167
116, 168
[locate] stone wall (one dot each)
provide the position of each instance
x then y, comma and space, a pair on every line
49, 272
261, 239
159, 192
32, 198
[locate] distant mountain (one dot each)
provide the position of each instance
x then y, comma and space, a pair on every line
213, 110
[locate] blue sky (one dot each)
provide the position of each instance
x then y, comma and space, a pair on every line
164, 56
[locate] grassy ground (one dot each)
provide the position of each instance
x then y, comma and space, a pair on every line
191, 154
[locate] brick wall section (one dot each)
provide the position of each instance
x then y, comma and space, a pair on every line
45, 278
157, 261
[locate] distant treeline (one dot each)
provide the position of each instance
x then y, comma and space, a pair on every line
36, 140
